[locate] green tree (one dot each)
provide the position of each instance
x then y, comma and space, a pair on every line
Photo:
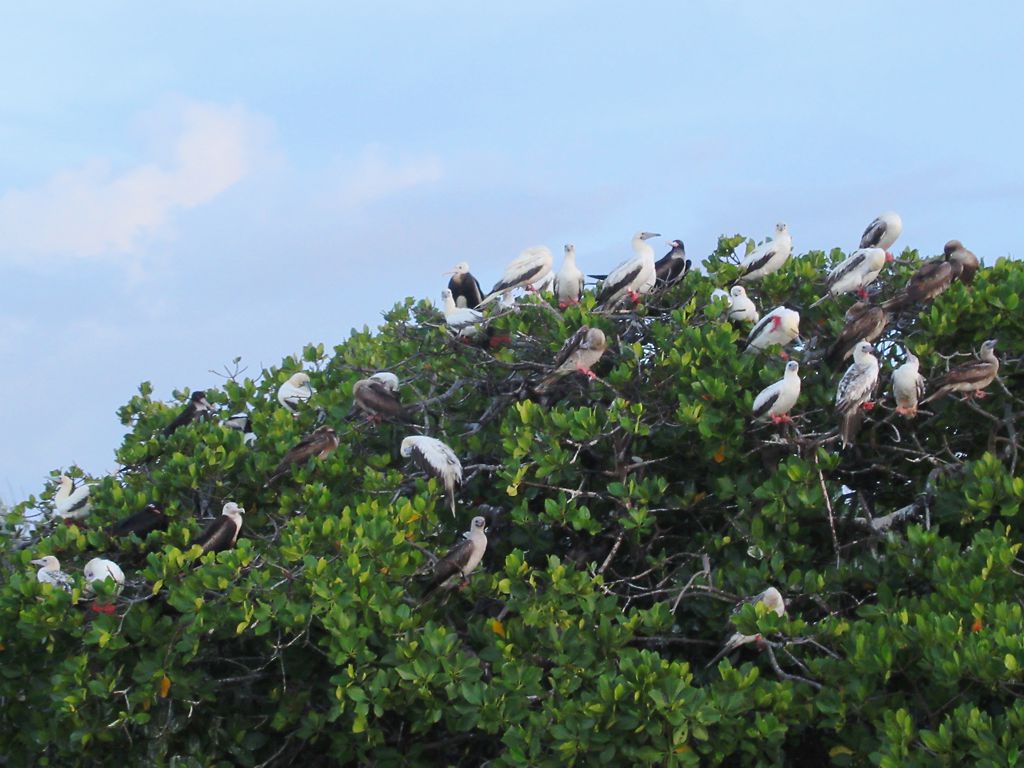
628, 516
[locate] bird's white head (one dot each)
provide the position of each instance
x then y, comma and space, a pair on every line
48, 563
478, 524
595, 339
459, 269
99, 569
781, 229
988, 347
446, 296
863, 351
388, 379
65, 484
300, 379
911, 357
772, 598
232, 510
792, 367
407, 446
570, 251
737, 291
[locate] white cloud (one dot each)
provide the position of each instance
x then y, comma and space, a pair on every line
374, 176
96, 211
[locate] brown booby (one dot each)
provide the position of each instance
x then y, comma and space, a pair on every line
776, 400
50, 573
580, 352
769, 256
141, 523
295, 392
780, 326
437, 460
461, 560
71, 503
377, 396
320, 444
197, 406
634, 277
969, 265
864, 322
222, 532
855, 273
855, 390
530, 266
882, 232
569, 280
100, 569
464, 287
908, 386
772, 600
970, 378
931, 278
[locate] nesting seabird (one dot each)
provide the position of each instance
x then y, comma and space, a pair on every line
855, 273
461, 320
69, 502
377, 396
741, 308
882, 232
771, 599
970, 378
531, 265
580, 352
320, 444
780, 326
633, 277
931, 279
969, 265
855, 391
141, 523
863, 322
769, 256
673, 266
776, 400
295, 392
241, 422
461, 560
569, 280
50, 573
197, 406
908, 386
100, 569
222, 533
464, 287
437, 460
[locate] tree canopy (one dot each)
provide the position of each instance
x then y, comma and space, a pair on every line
627, 517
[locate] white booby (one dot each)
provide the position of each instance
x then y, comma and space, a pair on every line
855, 273
882, 232
769, 256
969, 265
863, 322
569, 280
71, 503
461, 560
780, 326
50, 573
100, 569
377, 396
222, 533
633, 277
295, 392
772, 600
908, 386
197, 406
320, 443
141, 523
464, 287
741, 308
461, 320
241, 422
531, 265
776, 400
673, 266
970, 378
855, 390
437, 460
580, 352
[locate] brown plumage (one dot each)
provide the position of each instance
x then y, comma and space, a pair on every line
864, 322
931, 279
971, 377
320, 444
969, 265
376, 399
580, 352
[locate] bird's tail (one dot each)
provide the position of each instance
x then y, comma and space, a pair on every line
849, 426
822, 300
897, 303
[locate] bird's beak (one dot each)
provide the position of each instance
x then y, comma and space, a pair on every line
449, 272
37, 562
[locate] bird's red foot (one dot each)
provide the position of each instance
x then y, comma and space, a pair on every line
980, 394
862, 294
889, 257
107, 608
634, 296
530, 289
587, 372
868, 406
783, 355
497, 341
563, 304
782, 418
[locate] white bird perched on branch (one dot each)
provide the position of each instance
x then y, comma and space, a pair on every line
569, 280
772, 600
634, 277
461, 320
855, 390
531, 265
882, 232
71, 503
295, 392
908, 386
437, 460
462, 559
777, 400
780, 326
50, 573
100, 569
769, 256
855, 273
741, 308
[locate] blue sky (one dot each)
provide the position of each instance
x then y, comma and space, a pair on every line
181, 184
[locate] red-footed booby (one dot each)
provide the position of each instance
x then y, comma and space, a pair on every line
768, 257
569, 280
633, 277
222, 533
320, 444
462, 321
780, 326
71, 503
100, 569
855, 390
464, 287
141, 523
908, 386
855, 273
377, 396
461, 560
673, 266
864, 322
437, 460
931, 279
580, 352
50, 573
970, 378
882, 232
776, 400
772, 600
197, 406
531, 265
969, 265
295, 392
741, 308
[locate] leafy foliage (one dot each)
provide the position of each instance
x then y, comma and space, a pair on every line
627, 517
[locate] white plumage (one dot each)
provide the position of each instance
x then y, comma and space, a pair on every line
569, 280
768, 257
50, 573
295, 392
908, 386
634, 277
882, 232
777, 400
437, 460
855, 390
741, 307
780, 326
771, 599
100, 569
855, 273
462, 320
71, 503
530, 266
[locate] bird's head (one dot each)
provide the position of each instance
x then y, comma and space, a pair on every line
952, 247
446, 295
48, 563
792, 366
459, 269
199, 398
232, 510
595, 339
772, 599
300, 379
911, 357
65, 483
989, 346
154, 508
781, 229
737, 291
645, 235
98, 569
407, 446
862, 351
478, 524
388, 379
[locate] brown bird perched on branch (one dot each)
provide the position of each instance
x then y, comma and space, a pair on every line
864, 322
970, 378
377, 396
969, 265
321, 443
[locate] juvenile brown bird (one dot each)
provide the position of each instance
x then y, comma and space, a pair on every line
320, 444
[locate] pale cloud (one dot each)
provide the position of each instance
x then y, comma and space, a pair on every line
375, 176
97, 211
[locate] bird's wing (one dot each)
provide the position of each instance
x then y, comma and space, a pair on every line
766, 399
180, 420
849, 266
855, 387
379, 399
757, 259
218, 535
451, 564
968, 373
141, 523
873, 234
570, 345
619, 279
864, 326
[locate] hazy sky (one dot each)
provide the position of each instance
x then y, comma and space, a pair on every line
181, 184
